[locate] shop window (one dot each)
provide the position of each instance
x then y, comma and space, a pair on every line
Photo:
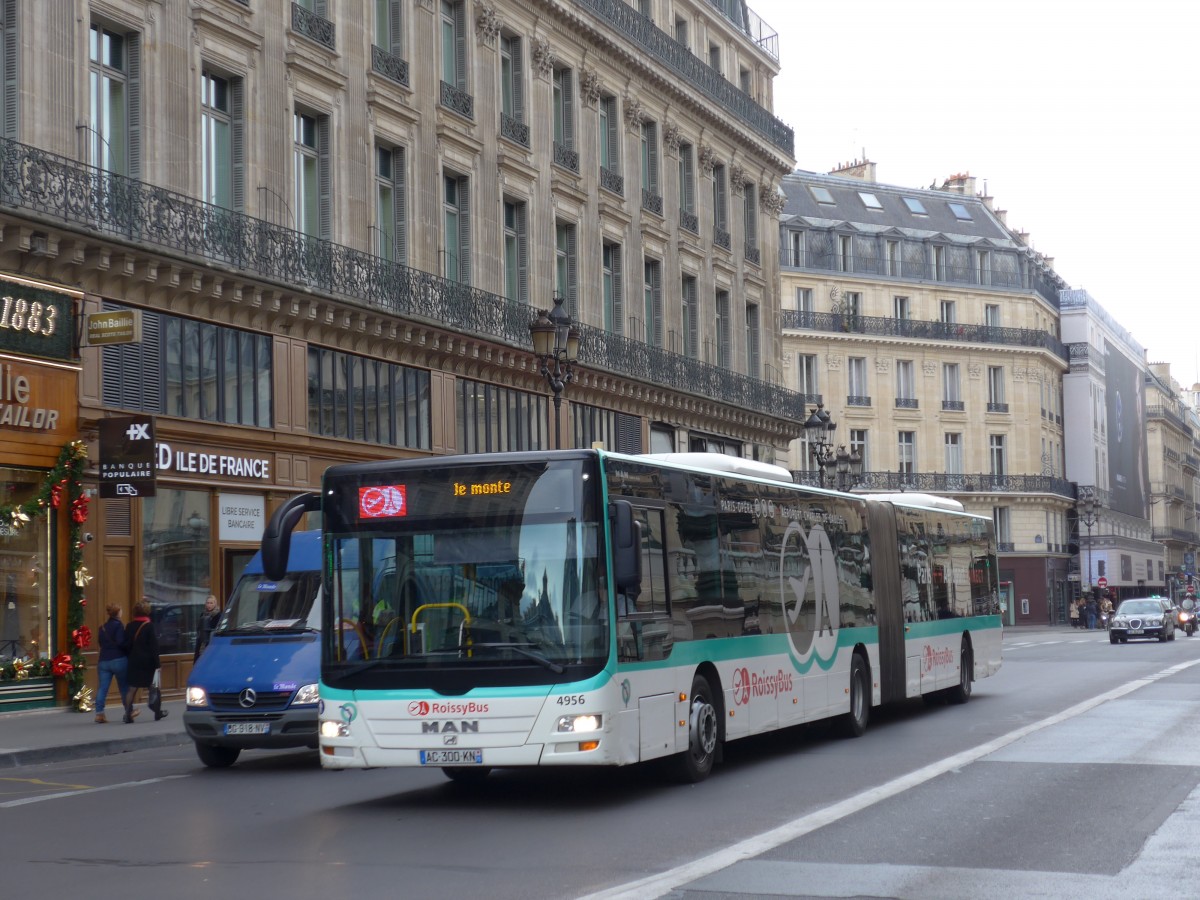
176, 565
25, 573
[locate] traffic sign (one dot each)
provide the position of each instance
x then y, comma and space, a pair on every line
1102, 582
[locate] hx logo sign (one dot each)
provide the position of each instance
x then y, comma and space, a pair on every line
127, 457
138, 431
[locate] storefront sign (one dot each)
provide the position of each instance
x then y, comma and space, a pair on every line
31, 398
127, 457
242, 517
36, 322
219, 465
119, 326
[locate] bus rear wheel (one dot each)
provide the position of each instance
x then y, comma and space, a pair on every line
704, 731
854, 723
961, 692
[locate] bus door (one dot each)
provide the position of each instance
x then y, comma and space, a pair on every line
889, 599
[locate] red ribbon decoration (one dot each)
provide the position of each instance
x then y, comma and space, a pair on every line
82, 636
62, 664
79, 509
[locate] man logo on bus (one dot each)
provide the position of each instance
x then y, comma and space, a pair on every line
418, 708
741, 686
812, 627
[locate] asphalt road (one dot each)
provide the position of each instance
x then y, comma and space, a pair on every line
1071, 773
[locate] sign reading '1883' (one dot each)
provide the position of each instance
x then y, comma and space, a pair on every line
36, 322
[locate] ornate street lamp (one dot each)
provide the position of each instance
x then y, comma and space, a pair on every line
835, 466
1087, 516
556, 345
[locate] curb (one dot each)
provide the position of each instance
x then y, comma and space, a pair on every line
11, 759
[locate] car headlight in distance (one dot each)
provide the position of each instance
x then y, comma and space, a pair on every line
306, 696
574, 724
196, 696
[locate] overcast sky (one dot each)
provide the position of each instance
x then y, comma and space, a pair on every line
1082, 119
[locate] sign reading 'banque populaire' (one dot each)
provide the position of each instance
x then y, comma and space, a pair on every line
127, 457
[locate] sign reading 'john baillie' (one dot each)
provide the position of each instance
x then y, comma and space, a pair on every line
36, 322
118, 326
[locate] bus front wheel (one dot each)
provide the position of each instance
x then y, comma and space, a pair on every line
855, 722
961, 692
704, 729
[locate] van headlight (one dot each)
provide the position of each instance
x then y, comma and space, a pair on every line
306, 696
196, 696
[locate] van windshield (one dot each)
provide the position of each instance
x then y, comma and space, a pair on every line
260, 604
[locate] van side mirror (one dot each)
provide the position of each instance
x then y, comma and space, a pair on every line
627, 548
277, 536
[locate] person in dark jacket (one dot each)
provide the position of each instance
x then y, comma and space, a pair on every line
141, 643
113, 662
208, 622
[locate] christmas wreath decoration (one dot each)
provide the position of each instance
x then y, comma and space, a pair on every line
63, 486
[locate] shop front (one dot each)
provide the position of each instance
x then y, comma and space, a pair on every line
38, 431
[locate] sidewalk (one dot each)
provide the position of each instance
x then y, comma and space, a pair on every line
55, 735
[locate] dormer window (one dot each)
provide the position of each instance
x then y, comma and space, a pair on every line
915, 206
960, 212
870, 201
822, 195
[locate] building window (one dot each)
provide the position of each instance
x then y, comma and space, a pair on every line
516, 252
858, 442
614, 308
10, 66
991, 315
906, 452
954, 461
753, 357
795, 249
804, 300
939, 263
610, 135
996, 397
750, 215
901, 309
906, 395
721, 204
724, 331
982, 267
714, 57
512, 90
454, 43
222, 163
310, 154
496, 419
368, 400
566, 281
806, 374
391, 238
845, 253
948, 314
114, 138
746, 81
997, 456
687, 189
1002, 521
564, 119
456, 228
681, 32
951, 392
691, 317
651, 193
652, 309
856, 371
893, 258
389, 34
852, 303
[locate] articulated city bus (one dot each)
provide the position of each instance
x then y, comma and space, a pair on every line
580, 607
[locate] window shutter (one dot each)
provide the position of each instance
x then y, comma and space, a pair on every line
614, 159
652, 156
629, 433
568, 113
572, 277
400, 183
394, 22
321, 8
656, 303
324, 178
518, 78
134, 49
464, 229
237, 112
618, 297
460, 44
689, 181
10, 69
522, 253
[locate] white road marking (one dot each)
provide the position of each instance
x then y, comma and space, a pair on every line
96, 790
663, 882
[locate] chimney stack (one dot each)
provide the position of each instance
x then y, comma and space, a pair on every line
862, 169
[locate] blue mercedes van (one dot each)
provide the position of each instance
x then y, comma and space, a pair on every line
255, 685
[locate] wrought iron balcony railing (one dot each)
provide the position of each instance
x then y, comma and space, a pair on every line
652, 202
907, 403
389, 65
313, 27
753, 254
722, 238
995, 406
457, 100
954, 405
566, 157
1165, 412
611, 181
664, 48
1179, 535
921, 329
940, 483
514, 130
55, 189
689, 221
858, 400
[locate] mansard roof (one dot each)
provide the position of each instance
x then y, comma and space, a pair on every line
893, 213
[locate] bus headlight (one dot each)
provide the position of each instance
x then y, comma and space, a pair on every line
196, 696
306, 696
574, 724
333, 729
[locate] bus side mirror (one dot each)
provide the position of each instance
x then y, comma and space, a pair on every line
627, 548
277, 536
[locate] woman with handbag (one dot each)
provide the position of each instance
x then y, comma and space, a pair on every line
141, 643
113, 662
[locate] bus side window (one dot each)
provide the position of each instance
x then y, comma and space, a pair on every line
643, 622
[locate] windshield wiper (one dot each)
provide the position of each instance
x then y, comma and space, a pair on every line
524, 650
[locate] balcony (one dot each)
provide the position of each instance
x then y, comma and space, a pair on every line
722, 239
753, 255
652, 202
59, 192
906, 403
1176, 535
513, 130
858, 400
611, 181
626, 20
1169, 415
689, 221
954, 405
918, 329
995, 406
313, 27
457, 100
940, 483
389, 65
565, 157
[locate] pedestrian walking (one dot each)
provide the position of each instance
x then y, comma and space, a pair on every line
1091, 614
113, 661
141, 643
208, 623
1073, 612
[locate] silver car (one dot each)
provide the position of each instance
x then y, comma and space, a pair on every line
1142, 617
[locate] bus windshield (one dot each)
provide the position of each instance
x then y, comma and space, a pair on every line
485, 575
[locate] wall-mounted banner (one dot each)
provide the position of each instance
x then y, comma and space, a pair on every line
127, 457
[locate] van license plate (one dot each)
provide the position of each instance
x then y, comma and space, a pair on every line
248, 728
452, 757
